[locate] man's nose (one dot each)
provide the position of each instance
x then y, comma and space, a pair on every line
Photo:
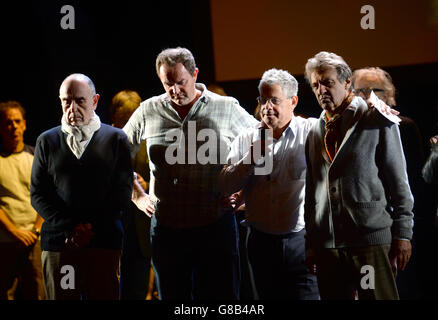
269, 105
73, 106
176, 89
321, 89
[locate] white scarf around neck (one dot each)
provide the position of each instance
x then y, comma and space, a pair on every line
78, 137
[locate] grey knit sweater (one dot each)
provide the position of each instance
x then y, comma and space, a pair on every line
362, 198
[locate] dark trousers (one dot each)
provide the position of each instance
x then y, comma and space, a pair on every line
21, 272
84, 274
197, 263
278, 265
344, 271
135, 263
247, 289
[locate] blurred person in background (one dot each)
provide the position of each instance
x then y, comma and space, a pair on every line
20, 224
136, 273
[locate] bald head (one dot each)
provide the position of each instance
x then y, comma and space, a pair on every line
78, 99
82, 78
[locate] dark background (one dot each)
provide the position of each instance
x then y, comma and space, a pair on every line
116, 44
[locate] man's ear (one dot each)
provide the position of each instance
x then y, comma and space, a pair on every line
294, 102
195, 73
347, 84
95, 100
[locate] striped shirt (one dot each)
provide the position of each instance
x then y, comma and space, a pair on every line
187, 155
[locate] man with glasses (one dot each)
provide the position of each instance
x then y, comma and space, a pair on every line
274, 198
378, 80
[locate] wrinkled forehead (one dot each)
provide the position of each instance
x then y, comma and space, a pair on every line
271, 90
325, 72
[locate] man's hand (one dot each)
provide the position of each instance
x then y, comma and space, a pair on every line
25, 237
399, 254
433, 141
142, 200
238, 200
382, 106
235, 201
80, 236
311, 261
143, 183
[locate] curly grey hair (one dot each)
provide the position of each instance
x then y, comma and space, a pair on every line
288, 83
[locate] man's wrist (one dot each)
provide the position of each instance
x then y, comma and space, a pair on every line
36, 231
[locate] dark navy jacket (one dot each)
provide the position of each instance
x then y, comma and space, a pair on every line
94, 189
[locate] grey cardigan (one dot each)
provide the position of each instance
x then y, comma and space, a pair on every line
363, 197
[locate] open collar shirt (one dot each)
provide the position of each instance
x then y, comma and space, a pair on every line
187, 155
274, 202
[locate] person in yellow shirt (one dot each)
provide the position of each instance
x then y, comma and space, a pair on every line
20, 249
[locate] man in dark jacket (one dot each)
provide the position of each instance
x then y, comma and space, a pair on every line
81, 182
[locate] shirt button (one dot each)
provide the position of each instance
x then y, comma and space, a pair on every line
333, 189
175, 181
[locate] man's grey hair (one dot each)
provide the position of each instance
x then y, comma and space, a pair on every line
325, 60
82, 77
171, 56
287, 82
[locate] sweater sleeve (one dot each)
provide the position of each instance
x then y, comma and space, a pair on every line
43, 195
396, 182
122, 175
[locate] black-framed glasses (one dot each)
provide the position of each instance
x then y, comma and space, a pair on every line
367, 91
274, 101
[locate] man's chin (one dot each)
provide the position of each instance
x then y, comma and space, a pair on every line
180, 102
269, 121
327, 106
75, 123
